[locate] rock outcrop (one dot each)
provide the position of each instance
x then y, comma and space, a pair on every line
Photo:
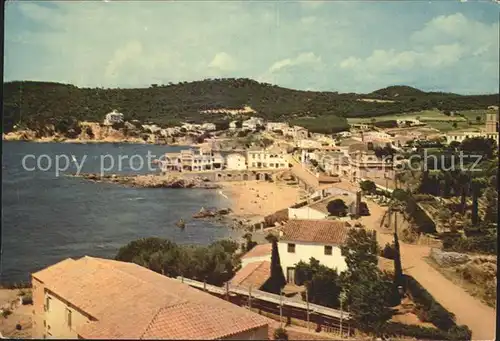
443, 258
150, 181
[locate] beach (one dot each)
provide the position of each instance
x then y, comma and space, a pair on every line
256, 199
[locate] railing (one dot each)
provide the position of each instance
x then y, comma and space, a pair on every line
268, 297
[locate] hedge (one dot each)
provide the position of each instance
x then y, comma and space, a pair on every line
434, 312
457, 333
481, 244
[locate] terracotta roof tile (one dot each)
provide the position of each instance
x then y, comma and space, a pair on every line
260, 250
253, 274
126, 299
315, 231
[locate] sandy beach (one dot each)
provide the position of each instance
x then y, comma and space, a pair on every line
252, 199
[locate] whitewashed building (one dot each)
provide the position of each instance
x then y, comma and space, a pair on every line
192, 160
232, 125
113, 118
266, 158
236, 161
297, 132
320, 239
274, 126
208, 126
252, 123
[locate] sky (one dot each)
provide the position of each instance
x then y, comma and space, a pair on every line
345, 46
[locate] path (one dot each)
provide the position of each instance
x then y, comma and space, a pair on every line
298, 170
479, 317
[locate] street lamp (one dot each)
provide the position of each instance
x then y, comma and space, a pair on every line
342, 299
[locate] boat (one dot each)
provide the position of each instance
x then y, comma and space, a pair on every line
181, 224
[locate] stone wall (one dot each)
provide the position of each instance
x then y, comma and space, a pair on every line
232, 175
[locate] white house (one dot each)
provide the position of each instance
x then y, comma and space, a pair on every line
297, 132
308, 144
208, 126
233, 125
266, 158
236, 161
274, 126
113, 117
320, 239
252, 123
192, 160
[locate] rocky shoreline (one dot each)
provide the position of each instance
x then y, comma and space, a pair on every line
150, 181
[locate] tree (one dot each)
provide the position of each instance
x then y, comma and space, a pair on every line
370, 297
280, 334
455, 125
478, 119
368, 186
324, 288
321, 282
398, 269
491, 210
475, 206
360, 253
249, 242
479, 146
277, 279
337, 207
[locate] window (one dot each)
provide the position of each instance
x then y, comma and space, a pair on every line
47, 303
68, 317
291, 248
328, 250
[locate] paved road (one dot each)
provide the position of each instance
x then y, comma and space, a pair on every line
479, 317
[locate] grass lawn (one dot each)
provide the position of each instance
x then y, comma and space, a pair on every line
424, 116
448, 126
473, 114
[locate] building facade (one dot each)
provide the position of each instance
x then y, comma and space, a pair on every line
266, 159
113, 117
236, 161
320, 239
93, 298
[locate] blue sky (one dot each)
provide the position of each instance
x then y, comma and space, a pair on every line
345, 46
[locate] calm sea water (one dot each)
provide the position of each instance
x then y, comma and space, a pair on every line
47, 218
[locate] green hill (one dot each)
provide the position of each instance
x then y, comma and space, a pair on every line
29, 103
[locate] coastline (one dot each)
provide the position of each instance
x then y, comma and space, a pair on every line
253, 200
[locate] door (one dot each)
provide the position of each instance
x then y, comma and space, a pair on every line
290, 275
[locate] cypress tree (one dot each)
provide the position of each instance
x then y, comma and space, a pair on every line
277, 279
398, 269
463, 197
475, 207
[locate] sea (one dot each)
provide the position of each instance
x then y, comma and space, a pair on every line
49, 215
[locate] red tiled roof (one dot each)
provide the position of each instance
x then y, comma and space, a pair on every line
315, 231
259, 251
253, 274
127, 301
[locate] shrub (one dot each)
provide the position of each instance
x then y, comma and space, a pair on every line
481, 244
418, 332
389, 251
436, 313
6, 313
280, 334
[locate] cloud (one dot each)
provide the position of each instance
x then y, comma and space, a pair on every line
303, 58
130, 51
223, 61
341, 46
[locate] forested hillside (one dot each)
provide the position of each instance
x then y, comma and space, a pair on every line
32, 103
